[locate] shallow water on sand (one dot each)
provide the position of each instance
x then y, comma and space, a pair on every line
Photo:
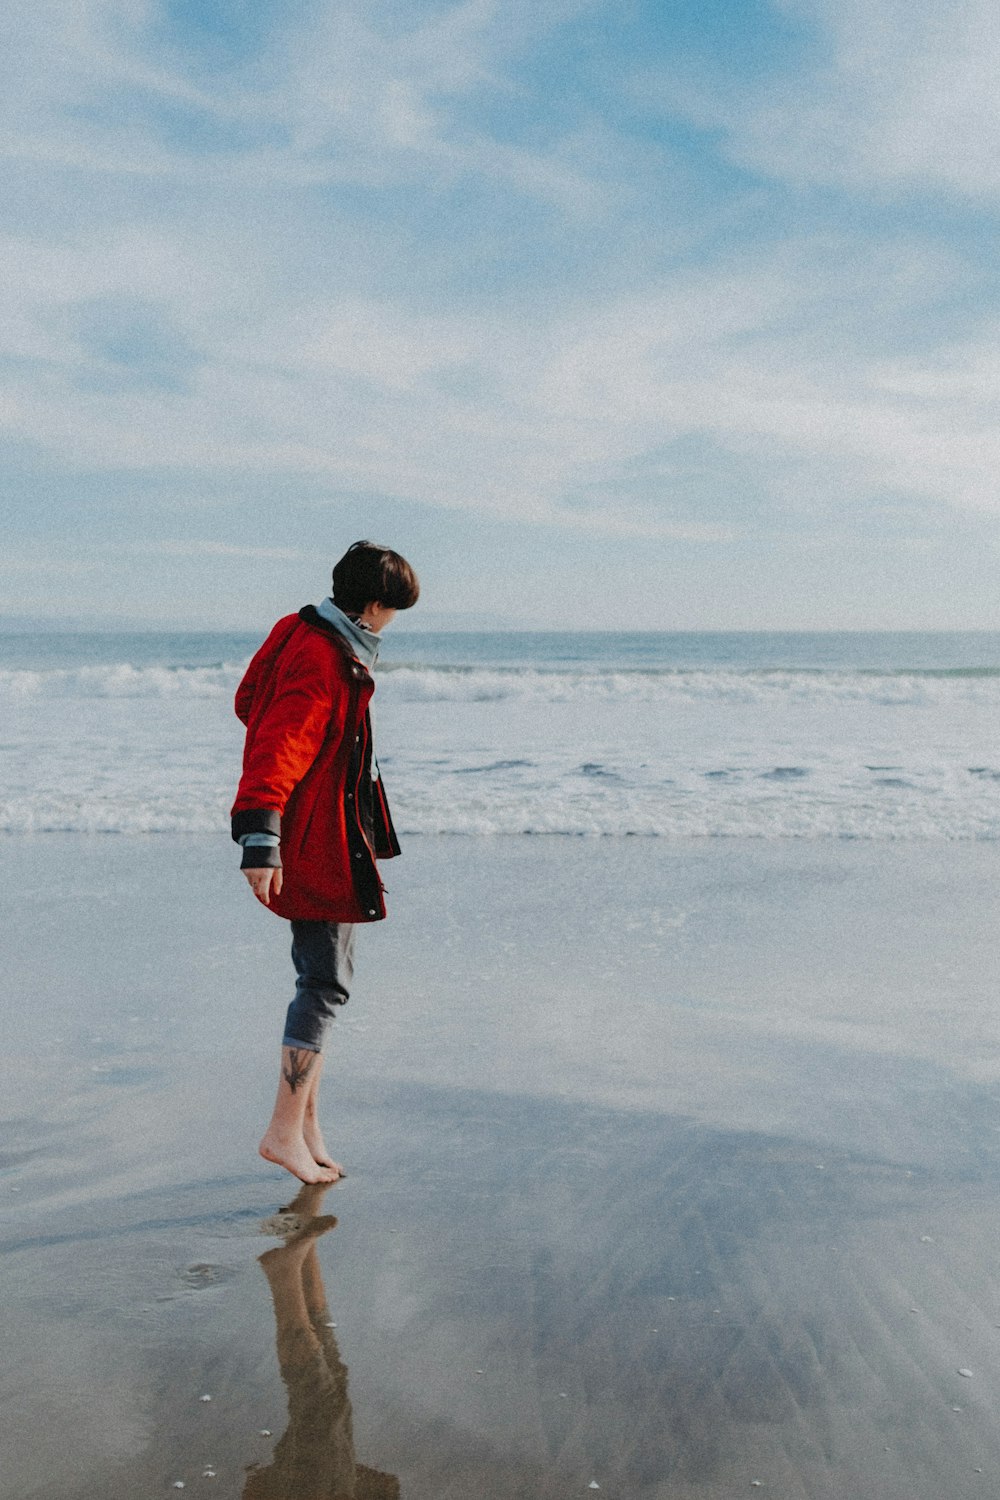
670, 1170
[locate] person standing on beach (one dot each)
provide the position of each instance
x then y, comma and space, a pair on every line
312, 816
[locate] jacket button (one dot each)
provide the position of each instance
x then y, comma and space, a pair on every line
371, 911
358, 855
350, 796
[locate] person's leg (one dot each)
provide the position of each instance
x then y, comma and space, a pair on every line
284, 1139
322, 953
311, 1131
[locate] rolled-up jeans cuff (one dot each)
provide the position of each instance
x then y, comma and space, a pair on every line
296, 1045
322, 953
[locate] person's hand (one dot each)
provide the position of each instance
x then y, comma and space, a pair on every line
263, 882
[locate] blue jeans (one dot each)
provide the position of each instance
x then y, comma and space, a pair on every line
323, 955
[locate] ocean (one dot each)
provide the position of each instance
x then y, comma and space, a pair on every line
671, 735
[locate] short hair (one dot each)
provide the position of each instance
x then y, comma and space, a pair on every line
370, 574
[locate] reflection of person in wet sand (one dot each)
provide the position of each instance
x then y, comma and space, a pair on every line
315, 1458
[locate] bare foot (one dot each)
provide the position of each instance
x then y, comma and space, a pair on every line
316, 1146
292, 1153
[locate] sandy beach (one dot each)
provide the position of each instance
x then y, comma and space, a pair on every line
673, 1169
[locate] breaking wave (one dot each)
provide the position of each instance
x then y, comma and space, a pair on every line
458, 684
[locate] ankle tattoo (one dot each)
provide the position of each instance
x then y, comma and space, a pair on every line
299, 1063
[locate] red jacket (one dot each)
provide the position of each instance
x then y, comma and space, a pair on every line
307, 773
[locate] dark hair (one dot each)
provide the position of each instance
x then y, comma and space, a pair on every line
369, 574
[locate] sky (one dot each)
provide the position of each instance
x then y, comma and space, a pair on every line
654, 314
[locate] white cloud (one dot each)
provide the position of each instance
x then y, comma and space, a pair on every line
540, 406
900, 94
529, 417
334, 99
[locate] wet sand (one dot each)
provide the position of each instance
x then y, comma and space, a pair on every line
673, 1169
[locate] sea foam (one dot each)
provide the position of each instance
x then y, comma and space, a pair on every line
460, 684
490, 748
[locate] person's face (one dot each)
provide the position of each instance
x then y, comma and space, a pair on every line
377, 616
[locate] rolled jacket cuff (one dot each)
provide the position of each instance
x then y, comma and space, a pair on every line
256, 820
258, 857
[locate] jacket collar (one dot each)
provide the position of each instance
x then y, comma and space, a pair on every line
310, 615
